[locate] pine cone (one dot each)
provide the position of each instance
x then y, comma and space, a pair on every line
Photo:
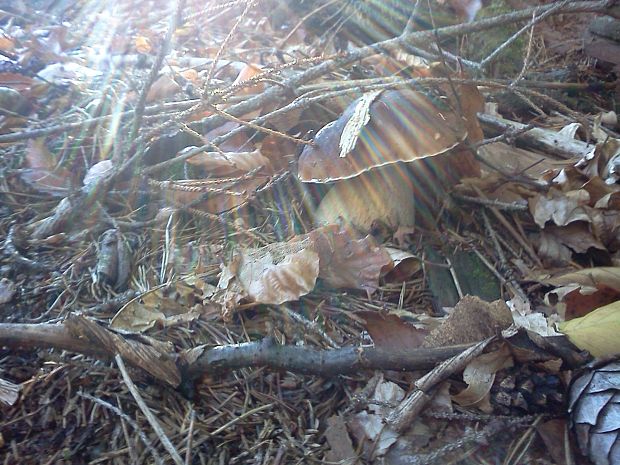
524, 390
594, 409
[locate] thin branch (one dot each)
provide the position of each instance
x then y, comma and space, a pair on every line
307, 360
129, 420
265, 352
163, 51
553, 8
147, 412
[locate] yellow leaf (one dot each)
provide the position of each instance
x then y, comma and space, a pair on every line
597, 332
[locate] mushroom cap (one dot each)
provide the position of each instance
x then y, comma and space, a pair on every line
404, 126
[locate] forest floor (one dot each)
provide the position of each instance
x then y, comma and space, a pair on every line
178, 283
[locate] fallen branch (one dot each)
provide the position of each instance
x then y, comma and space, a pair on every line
95, 340
306, 360
536, 138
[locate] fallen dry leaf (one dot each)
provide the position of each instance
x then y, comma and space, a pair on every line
404, 266
559, 207
337, 436
248, 72
525, 318
142, 44
96, 173
579, 292
603, 161
391, 332
553, 433
278, 273
346, 261
42, 172
368, 427
597, 332
156, 307
7, 290
223, 164
555, 245
479, 375
164, 87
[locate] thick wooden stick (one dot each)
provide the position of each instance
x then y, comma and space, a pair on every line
265, 352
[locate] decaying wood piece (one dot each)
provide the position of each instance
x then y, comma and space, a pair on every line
543, 140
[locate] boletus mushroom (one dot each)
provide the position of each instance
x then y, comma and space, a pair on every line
374, 156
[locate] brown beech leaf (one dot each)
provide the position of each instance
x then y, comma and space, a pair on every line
240, 142
237, 176
610, 200
606, 227
346, 261
579, 292
224, 197
404, 265
561, 208
42, 172
602, 194
97, 172
280, 152
159, 306
555, 244
479, 375
391, 332
553, 434
337, 436
248, 72
603, 161
16, 81
551, 250
577, 236
531, 321
368, 427
278, 273
515, 160
605, 275
142, 44
231, 163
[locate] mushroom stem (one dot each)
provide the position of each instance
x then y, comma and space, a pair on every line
398, 195
384, 194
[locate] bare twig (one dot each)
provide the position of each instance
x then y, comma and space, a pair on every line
163, 51
265, 352
147, 412
224, 43
542, 139
143, 437
553, 8
400, 419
